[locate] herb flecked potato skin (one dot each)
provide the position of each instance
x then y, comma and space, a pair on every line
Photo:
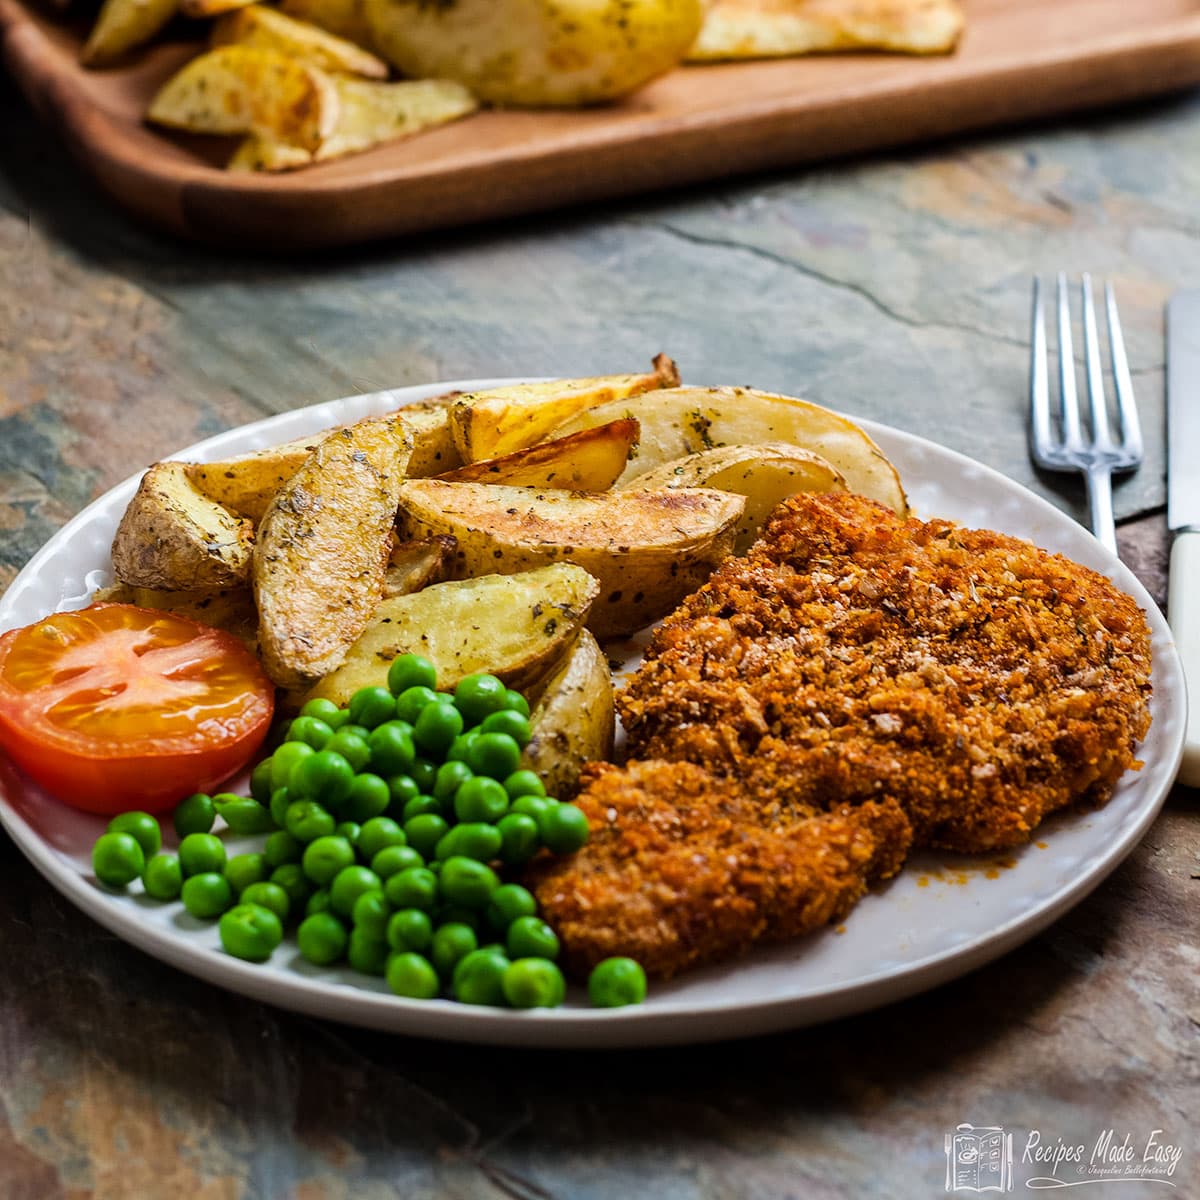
536, 53
322, 549
648, 549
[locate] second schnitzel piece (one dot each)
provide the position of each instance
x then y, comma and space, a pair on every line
853, 656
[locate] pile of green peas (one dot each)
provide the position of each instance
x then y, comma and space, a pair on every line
385, 825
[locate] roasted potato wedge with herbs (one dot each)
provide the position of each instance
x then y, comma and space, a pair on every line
589, 461
174, 537
573, 721
414, 565
536, 52
259, 152
122, 25
428, 422
322, 549
231, 609
764, 474
342, 17
513, 626
501, 420
269, 29
244, 89
682, 421
647, 549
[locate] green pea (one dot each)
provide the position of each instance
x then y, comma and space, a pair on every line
200, 853
424, 832
371, 706
325, 710
450, 777
532, 806
251, 932
140, 826
471, 839
615, 982
244, 869
409, 929
285, 760
480, 799
324, 857
311, 730
391, 860
243, 815
424, 774
533, 983
260, 782
508, 902
408, 671
267, 894
564, 829
367, 954
524, 783
531, 937
516, 702
476, 696
369, 797
414, 887
436, 726
194, 815
519, 838
281, 847
392, 748
322, 939
508, 722
278, 804
326, 777
420, 805
451, 943
458, 914
458, 748
411, 975
348, 884
291, 877
412, 700
318, 902
467, 881
352, 745
306, 820
350, 830
207, 894
378, 833
117, 859
479, 977
163, 877
403, 788
370, 914
494, 754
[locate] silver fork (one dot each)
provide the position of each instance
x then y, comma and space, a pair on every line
1064, 445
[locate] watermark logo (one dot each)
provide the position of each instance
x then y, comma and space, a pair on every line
979, 1159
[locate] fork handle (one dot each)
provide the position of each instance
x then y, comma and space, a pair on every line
1183, 615
1099, 490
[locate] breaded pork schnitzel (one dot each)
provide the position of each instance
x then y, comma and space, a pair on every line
855, 682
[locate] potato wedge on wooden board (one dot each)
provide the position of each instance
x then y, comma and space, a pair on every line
231, 609
174, 537
414, 565
778, 28
269, 29
513, 626
121, 25
501, 420
247, 483
682, 421
764, 474
536, 52
322, 549
342, 17
647, 549
260, 152
589, 461
573, 721
243, 89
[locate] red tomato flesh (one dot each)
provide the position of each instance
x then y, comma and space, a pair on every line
116, 707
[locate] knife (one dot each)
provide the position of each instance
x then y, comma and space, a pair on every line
1183, 507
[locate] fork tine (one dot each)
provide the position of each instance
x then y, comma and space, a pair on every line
1131, 429
1039, 376
1069, 400
1097, 407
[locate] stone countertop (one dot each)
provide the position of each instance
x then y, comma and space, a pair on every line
895, 288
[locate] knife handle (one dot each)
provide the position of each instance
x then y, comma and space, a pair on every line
1183, 614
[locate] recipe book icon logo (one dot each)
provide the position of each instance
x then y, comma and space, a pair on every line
979, 1159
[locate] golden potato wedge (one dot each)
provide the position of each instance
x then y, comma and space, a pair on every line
764, 474
210, 8
174, 537
231, 609
269, 29
573, 721
342, 17
244, 89
647, 549
414, 565
260, 152
428, 422
247, 483
513, 626
122, 25
501, 420
589, 461
322, 549
682, 421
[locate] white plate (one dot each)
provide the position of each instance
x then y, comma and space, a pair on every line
943, 916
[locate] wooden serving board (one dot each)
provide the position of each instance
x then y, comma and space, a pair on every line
1019, 59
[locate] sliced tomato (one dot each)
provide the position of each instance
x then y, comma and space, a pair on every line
115, 707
